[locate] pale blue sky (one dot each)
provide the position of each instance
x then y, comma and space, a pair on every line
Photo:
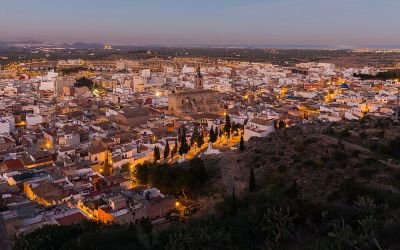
206, 22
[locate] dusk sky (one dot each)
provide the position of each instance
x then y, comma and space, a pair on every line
204, 22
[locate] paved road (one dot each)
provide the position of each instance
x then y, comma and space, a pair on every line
4, 241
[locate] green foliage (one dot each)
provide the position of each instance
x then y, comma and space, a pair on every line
277, 225
125, 168
142, 173
174, 179
183, 147
200, 140
166, 150
156, 154
197, 138
212, 135
194, 136
227, 126
387, 75
84, 82
69, 71
85, 235
282, 124
48, 237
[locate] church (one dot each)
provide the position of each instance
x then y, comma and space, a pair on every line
183, 104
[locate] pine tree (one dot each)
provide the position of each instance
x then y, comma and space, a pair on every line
156, 154
166, 150
252, 181
241, 145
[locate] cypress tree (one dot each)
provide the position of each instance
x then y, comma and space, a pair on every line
282, 124
200, 140
227, 126
166, 150
212, 134
156, 154
184, 147
241, 145
194, 137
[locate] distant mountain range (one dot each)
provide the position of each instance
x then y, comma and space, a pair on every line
85, 45
35, 43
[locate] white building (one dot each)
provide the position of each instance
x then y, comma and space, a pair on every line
258, 127
33, 120
4, 126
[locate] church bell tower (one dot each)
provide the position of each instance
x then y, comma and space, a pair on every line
199, 80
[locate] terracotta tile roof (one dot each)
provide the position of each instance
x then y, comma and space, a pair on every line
70, 219
14, 164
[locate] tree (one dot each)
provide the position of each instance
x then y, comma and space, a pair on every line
241, 145
107, 169
194, 137
83, 81
252, 181
212, 135
282, 124
174, 150
184, 147
233, 127
166, 150
200, 140
146, 226
125, 168
156, 154
142, 173
216, 133
227, 126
